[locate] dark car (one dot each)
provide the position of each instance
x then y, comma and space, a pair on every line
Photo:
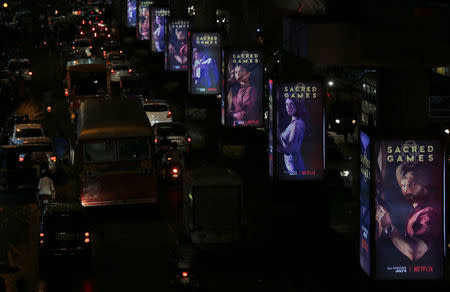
64, 231
174, 132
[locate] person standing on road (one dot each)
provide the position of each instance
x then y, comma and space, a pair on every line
46, 186
61, 148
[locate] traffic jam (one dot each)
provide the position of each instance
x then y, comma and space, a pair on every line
148, 152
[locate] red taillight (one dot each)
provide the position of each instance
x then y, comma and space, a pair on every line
49, 109
87, 240
86, 234
95, 34
169, 114
174, 170
106, 29
30, 73
189, 140
129, 70
66, 92
82, 33
45, 43
73, 47
41, 241
53, 158
93, 29
21, 159
83, 22
112, 71
109, 35
101, 22
185, 274
156, 140
41, 234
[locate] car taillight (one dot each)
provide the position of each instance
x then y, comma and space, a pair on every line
109, 35
185, 274
86, 234
45, 43
87, 240
83, 22
129, 70
156, 140
82, 33
30, 73
95, 34
112, 71
21, 159
189, 140
106, 28
93, 29
174, 170
66, 92
121, 51
53, 158
41, 234
49, 109
73, 47
169, 114
90, 47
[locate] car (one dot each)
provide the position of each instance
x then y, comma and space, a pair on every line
22, 67
175, 132
158, 111
40, 154
82, 45
116, 59
64, 230
29, 134
120, 71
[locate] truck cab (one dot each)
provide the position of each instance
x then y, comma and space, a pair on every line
213, 207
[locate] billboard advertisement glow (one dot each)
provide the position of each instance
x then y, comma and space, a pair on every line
177, 49
158, 22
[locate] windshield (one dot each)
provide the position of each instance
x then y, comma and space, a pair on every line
92, 84
99, 152
133, 150
20, 133
156, 108
172, 130
81, 44
19, 65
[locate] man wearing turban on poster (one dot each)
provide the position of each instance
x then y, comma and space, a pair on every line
423, 223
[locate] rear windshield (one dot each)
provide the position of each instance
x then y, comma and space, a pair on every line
69, 222
133, 150
100, 152
21, 133
19, 65
216, 207
93, 84
82, 44
120, 68
156, 108
172, 130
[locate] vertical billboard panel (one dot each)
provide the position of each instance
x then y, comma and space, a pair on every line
408, 209
159, 21
244, 88
131, 13
177, 49
364, 198
205, 62
299, 119
270, 128
143, 25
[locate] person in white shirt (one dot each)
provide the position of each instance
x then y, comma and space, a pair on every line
46, 186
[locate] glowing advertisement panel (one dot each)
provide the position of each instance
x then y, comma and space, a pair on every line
270, 128
143, 26
205, 62
159, 21
299, 119
364, 197
177, 49
244, 88
131, 13
408, 209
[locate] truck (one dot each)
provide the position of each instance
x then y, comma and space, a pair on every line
213, 207
86, 79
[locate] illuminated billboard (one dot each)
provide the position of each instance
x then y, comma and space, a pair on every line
364, 199
299, 130
143, 25
408, 211
244, 86
131, 13
177, 49
158, 22
270, 129
205, 62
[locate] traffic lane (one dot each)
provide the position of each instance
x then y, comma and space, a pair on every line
130, 248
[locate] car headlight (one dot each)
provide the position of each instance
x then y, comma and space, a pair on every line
345, 173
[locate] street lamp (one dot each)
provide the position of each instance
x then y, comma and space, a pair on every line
330, 83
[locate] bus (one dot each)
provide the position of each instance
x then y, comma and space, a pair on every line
116, 154
86, 79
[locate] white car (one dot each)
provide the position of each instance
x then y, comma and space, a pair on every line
158, 111
121, 71
22, 67
83, 46
29, 134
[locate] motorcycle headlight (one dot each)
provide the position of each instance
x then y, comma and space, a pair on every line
345, 173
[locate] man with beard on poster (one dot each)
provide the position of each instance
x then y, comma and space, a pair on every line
292, 136
205, 73
242, 97
420, 241
178, 52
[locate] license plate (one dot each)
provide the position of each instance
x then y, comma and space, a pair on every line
64, 236
184, 280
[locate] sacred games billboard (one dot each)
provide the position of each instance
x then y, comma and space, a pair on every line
131, 13
143, 25
159, 21
177, 49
